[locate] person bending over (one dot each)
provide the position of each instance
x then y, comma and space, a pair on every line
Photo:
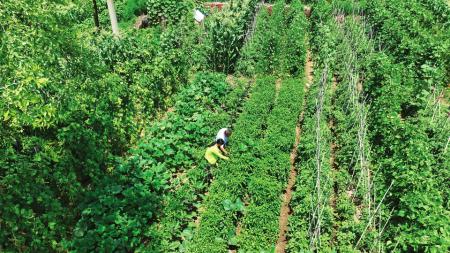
213, 152
223, 134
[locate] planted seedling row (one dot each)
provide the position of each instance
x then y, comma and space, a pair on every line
277, 46
401, 136
407, 138
223, 206
188, 188
269, 174
355, 200
311, 221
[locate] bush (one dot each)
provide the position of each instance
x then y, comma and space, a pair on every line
135, 8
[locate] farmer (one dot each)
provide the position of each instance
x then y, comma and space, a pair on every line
213, 152
223, 134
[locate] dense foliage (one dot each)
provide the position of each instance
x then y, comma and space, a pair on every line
402, 116
102, 136
115, 217
218, 222
395, 185
70, 103
245, 192
277, 44
411, 34
225, 35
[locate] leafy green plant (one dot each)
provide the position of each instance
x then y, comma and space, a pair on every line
236, 206
225, 33
70, 102
113, 217
277, 45
216, 222
167, 11
269, 175
135, 8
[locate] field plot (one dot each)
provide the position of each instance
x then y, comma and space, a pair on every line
339, 111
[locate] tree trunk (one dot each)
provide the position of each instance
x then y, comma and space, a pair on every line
113, 17
96, 22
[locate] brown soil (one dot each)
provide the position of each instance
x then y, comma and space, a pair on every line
231, 80
180, 175
238, 232
308, 70
358, 213
340, 18
285, 210
197, 220
307, 10
277, 88
359, 86
444, 97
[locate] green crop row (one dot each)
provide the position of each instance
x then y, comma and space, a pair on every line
405, 155
268, 178
277, 47
223, 205
354, 181
311, 222
323, 212
277, 44
344, 47
257, 174
405, 129
354, 187
190, 181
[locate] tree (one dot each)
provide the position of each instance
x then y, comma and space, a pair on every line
96, 21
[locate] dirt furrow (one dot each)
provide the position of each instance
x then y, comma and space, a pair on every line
277, 88
285, 210
309, 70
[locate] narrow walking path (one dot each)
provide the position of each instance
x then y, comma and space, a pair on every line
309, 68
285, 208
277, 88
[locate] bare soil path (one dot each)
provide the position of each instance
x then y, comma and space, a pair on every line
277, 88
309, 67
285, 210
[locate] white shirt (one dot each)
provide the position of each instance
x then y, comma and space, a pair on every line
199, 16
221, 135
